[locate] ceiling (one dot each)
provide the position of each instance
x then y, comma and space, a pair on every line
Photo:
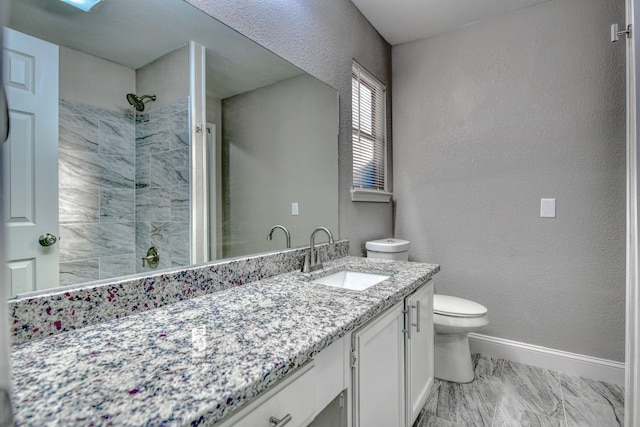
401, 21
134, 33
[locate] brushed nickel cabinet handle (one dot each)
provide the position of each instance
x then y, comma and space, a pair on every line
408, 322
279, 423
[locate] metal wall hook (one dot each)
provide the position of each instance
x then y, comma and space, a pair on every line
615, 33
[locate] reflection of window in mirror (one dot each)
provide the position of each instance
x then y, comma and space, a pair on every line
368, 100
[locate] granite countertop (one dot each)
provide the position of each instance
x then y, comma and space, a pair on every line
196, 361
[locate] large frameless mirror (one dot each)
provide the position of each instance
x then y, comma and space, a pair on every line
147, 135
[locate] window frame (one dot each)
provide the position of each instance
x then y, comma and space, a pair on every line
359, 192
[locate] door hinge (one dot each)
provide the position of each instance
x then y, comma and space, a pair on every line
615, 33
354, 359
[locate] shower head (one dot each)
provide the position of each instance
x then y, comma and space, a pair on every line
137, 101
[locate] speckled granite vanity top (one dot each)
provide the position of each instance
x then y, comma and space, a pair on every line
196, 361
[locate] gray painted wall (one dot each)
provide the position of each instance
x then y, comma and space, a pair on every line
279, 143
167, 77
94, 81
492, 117
322, 38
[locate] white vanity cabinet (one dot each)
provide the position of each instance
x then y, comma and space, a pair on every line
377, 361
300, 396
386, 367
392, 363
418, 350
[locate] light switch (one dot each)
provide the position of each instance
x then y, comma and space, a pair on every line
547, 208
294, 208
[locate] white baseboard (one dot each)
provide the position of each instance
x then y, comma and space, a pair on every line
548, 358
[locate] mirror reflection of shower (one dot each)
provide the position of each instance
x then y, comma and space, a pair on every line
137, 102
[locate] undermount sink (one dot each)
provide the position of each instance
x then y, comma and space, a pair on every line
353, 280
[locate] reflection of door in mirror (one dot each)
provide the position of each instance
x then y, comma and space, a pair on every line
30, 162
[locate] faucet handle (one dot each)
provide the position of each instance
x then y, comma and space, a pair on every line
305, 266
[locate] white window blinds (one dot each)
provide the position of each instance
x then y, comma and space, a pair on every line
368, 130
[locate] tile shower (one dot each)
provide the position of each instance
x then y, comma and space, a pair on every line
124, 187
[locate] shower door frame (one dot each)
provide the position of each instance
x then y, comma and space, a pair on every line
198, 155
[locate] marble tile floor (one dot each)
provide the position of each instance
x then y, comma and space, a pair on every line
511, 394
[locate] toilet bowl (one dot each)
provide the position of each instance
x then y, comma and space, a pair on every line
453, 319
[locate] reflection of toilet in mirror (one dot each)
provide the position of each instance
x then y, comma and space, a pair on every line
453, 319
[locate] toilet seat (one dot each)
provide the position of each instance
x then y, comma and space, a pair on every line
446, 305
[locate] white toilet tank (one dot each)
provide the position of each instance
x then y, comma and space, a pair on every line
395, 249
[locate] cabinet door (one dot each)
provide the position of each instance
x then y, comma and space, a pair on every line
378, 371
419, 349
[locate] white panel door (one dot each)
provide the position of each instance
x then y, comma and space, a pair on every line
30, 161
378, 374
419, 350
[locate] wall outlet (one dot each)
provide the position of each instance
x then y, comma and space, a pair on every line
294, 208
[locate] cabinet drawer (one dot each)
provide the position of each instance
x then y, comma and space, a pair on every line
296, 396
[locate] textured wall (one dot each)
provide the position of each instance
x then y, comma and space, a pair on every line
94, 81
167, 77
293, 161
322, 38
492, 117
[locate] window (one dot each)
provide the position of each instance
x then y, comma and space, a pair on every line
368, 102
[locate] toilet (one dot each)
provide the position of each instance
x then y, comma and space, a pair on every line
453, 319
394, 249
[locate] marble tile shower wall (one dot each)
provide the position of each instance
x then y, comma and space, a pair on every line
124, 187
97, 193
162, 185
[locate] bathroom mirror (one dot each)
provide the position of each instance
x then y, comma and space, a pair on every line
125, 177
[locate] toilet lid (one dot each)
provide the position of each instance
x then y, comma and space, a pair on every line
457, 307
388, 245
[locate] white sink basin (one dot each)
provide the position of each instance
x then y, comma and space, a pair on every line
352, 280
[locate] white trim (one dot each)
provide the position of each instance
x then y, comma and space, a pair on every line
198, 154
361, 195
632, 337
556, 360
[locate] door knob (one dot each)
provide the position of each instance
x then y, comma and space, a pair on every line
47, 239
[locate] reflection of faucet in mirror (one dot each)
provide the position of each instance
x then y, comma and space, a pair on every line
286, 233
311, 260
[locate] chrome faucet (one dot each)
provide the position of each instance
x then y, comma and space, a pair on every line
286, 233
311, 260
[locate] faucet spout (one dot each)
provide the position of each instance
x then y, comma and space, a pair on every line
286, 233
314, 263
